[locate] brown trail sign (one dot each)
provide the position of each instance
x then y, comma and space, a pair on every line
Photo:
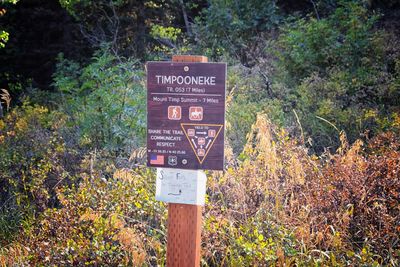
180, 94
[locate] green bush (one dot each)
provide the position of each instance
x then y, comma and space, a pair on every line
345, 40
33, 163
114, 222
338, 70
248, 95
105, 101
235, 28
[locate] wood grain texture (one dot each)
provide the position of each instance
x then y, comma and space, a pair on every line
184, 221
184, 235
187, 58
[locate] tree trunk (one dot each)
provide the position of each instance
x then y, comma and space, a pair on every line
141, 31
1, 111
185, 17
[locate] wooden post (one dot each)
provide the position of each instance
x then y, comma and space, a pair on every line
184, 221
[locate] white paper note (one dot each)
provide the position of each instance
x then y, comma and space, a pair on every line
181, 186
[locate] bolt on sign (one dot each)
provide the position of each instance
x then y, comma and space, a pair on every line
186, 115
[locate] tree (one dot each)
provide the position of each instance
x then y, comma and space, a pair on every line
127, 24
236, 28
4, 35
338, 72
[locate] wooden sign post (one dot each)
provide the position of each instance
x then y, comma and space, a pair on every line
184, 221
185, 131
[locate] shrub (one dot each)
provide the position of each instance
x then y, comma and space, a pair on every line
338, 69
248, 95
105, 101
358, 196
345, 39
235, 28
33, 163
246, 220
100, 222
277, 206
282, 206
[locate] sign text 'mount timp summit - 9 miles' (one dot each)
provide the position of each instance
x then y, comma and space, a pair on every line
186, 115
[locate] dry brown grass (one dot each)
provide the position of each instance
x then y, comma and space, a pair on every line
347, 204
275, 206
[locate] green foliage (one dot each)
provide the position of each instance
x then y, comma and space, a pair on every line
344, 40
107, 222
72, 5
9, 1
337, 70
325, 77
242, 107
131, 27
354, 105
279, 206
234, 27
246, 241
3, 38
4, 35
248, 95
105, 101
170, 41
170, 33
32, 159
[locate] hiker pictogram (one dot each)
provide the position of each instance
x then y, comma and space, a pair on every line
201, 137
174, 112
191, 132
195, 113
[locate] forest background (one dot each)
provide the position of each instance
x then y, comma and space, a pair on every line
313, 121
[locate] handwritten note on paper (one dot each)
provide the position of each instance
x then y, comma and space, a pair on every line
181, 186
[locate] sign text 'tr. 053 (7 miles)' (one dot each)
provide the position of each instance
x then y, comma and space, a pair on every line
186, 115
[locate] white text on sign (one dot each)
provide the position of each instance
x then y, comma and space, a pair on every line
187, 80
